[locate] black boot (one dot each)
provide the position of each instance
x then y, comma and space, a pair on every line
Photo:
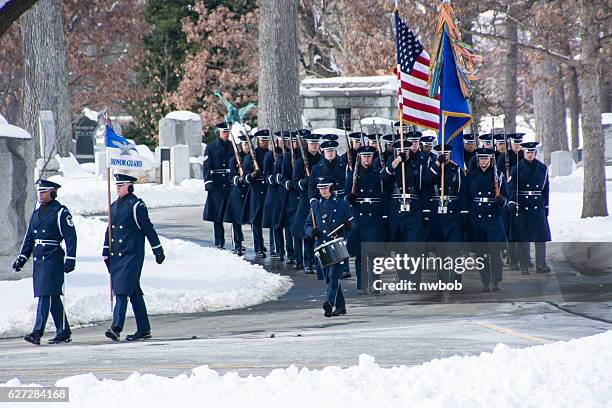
298, 267
139, 335
33, 338
327, 307
524, 271
260, 254
112, 334
290, 260
338, 312
63, 338
486, 288
496, 288
543, 269
310, 270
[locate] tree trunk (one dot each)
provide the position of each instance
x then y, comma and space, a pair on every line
45, 80
549, 107
594, 203
573, 102
279, 83
510, 74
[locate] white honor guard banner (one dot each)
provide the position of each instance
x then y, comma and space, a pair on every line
122, 154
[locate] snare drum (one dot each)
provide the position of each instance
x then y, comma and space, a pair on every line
332, 252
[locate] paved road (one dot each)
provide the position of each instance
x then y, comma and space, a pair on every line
396, 329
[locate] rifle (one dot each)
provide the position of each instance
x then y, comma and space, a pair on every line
348, 145
252, 151
291, 152
506, 156
236, 155
354, 186
304, 158
273, 145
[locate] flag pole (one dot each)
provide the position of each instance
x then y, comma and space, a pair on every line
443, 164
108, 195
401, 127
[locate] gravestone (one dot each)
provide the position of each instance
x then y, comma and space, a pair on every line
17, 204
85, 139
179, 162
561, 163
181, 127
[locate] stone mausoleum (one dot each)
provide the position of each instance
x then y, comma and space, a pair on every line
341, 101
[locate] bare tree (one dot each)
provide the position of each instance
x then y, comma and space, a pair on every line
45, 82
549, 106
594, 202
278, 88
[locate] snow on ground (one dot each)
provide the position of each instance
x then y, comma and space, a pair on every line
192, 279
563, 374
566, 209
89, 195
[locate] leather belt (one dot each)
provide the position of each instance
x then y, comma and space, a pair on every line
530, 193
446, 198
484, 200
368, 200
220, 171
45, 242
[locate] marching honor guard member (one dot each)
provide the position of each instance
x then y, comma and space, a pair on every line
484, 200
238, 194
446, 211
409, 206
515, 155
301, 182
330, 166
528, 206
331, 220
500, 140
258, 187
334, 168
216, 174
427, 144
271, 164
50, 224
486, 141
124, 256
365, 194
469, 149
289, 199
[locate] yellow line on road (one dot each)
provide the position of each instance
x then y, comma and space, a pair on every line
509, 332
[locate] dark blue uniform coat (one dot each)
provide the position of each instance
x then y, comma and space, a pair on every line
237, 197
303, 200
408, 226
271, 202
253, 213
216, 171
367, 224
335, 169
447, 227
485, 214
529, 182
130, 224
49, 226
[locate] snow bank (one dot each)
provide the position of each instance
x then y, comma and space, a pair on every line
575, 181
89, 196
563, 374
192, 279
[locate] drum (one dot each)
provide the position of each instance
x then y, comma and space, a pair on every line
332, 252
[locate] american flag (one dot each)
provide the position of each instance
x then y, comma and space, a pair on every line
412, 77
